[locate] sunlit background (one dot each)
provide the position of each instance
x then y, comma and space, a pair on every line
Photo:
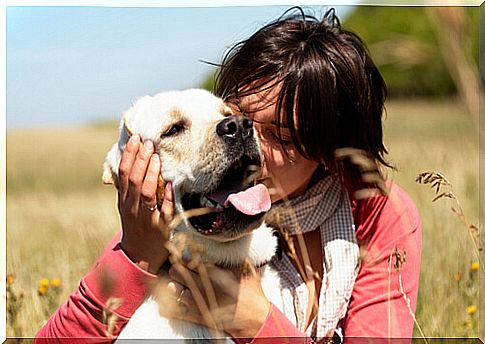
77, 68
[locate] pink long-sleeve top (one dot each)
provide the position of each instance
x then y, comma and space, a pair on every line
383, 298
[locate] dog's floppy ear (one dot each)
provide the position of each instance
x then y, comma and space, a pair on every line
110, 166
113, 158
107, 176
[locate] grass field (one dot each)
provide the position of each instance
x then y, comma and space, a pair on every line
59, 215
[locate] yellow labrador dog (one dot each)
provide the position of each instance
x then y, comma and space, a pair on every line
210, 155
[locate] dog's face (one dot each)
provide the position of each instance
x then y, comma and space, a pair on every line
210, 155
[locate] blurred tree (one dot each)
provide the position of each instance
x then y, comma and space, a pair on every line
208, 82
453, 29
407, 45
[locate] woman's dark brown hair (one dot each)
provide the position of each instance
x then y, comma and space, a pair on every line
326, 77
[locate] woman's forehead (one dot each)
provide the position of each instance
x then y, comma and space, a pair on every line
260, 106
262, 110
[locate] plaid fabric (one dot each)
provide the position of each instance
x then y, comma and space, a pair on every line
324, 206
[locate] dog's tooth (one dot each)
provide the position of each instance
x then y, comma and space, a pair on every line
204, 201
207, 202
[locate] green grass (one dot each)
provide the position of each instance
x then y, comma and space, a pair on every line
59, 215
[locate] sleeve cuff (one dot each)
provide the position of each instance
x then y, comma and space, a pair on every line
115, 276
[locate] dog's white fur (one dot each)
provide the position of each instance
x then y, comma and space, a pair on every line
193, 160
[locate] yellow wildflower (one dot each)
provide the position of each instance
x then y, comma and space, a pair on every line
457, 277
56, 282
472, 309
10, 279
475, 266
44, 282
42, 290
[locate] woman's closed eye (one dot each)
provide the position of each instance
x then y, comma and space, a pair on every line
273, 136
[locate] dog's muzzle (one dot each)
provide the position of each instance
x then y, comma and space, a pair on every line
235, 127
237, 204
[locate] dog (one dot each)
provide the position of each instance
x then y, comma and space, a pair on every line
212, 157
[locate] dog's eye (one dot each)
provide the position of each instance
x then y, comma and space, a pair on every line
174, 129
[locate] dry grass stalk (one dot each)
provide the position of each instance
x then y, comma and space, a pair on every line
397, 263
389, 294
109, 315
438, 182
208, 289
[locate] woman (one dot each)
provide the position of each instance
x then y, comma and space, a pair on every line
312, 92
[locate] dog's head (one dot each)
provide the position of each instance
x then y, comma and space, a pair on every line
210, 155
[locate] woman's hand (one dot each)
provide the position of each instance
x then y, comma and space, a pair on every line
142, 240
226, 300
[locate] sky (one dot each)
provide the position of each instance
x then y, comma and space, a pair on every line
78, 65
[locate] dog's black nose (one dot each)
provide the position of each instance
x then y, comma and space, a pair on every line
235, 126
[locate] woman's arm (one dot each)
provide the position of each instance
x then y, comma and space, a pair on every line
389, 235
119, 281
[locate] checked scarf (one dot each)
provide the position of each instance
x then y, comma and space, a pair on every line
324, 206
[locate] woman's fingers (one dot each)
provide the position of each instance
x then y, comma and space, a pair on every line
223, 279
181, 295
191, 280
185, 306
218, 278
126, 163
240, 305
167, 205
137, 175
149, 188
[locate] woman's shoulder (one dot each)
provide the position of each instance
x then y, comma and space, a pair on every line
392, 213
395, 199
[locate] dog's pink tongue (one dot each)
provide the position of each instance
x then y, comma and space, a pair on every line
252, 201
